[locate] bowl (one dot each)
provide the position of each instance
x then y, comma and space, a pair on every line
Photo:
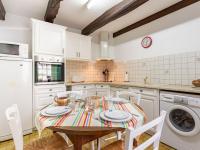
62, 101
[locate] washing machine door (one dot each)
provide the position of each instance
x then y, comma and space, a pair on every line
183, 120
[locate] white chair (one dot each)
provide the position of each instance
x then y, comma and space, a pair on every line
131, 134
53, 142
133, 97
73, 94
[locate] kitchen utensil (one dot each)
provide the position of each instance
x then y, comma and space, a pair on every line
116, 114
102, 116
61, 101
46, 112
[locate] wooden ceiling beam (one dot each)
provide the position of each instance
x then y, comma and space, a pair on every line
162, 13
2, 11
114, 13
52, 10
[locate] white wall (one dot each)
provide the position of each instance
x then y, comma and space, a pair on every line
176, 33
15, 29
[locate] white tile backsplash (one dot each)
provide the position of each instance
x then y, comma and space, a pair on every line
179, 69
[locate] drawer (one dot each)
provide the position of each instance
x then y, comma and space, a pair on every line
49, 89
102, 86
82, 87
145, 91
103, 93
42, 100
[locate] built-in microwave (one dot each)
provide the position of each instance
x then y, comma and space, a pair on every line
49, 69
11, 49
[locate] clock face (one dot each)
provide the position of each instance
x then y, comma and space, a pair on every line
146, 42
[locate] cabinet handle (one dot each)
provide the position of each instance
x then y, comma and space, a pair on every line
50, 89
79, 54
50, 95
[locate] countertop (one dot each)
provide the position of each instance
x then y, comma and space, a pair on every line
188, 89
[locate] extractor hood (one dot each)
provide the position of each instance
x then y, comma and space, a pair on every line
106, 50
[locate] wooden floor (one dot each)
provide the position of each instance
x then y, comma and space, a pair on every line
8, 145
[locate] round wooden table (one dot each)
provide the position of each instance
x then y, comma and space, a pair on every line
80, 136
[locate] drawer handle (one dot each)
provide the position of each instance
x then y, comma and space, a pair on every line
102, 86
50, 89
50, 95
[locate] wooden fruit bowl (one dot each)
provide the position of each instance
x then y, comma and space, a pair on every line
62, 101
196, 83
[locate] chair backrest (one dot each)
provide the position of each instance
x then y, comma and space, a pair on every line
134, 97
14, 121
131, 134
73, 94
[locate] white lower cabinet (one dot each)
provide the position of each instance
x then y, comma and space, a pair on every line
103, 90
149, 101
114, 89
44, 95
93, 90
89, 89
148, 107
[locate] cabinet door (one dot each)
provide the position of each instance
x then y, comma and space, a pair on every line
148, 107
91, 92
72, 45
85, 47
51, 40
48, 38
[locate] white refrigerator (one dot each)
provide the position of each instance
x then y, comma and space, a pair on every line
15, 88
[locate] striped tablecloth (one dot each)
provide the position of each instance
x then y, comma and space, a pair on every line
81, 118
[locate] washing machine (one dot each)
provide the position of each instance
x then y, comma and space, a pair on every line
181, 129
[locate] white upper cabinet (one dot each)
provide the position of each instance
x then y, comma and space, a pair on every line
78, 47
48, 38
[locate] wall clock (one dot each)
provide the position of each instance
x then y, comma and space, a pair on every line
146, 42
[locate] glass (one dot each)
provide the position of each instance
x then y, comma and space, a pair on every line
90, 105
9, 49
46, 72
182, 120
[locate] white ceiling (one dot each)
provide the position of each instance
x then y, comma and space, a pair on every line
75, 15
147, 9
27, 8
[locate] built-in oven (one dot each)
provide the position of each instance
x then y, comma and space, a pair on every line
49, 70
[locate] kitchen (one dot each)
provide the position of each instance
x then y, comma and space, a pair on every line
91, 53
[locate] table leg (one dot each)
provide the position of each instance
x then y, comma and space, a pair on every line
77, 147
77, 141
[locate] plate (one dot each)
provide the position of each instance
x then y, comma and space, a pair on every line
56, 110
116, 114
117, 99
102, 116
43, 113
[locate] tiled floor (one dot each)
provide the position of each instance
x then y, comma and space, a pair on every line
8, 145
